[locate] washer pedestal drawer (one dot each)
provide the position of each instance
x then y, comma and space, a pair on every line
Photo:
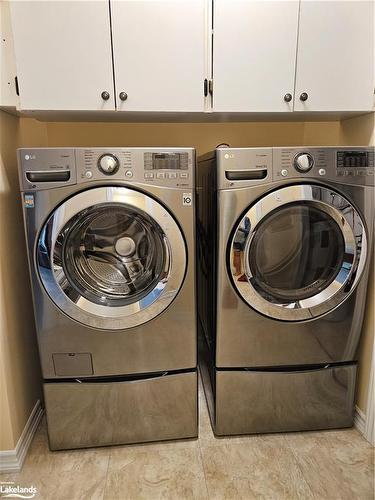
279, 401
96, 413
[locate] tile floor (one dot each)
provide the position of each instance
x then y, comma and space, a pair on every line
323, 465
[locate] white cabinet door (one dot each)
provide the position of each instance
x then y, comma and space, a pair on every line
335, 56
159, 54
254, 52
63, 54
8, 96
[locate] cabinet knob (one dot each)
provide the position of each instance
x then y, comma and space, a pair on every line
304, 96
123, 96
288, 97
105, 95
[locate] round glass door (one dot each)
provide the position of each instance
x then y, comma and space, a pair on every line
298, 252
106, 262
112, 255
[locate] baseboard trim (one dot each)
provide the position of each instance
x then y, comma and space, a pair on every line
12, 460
359, 420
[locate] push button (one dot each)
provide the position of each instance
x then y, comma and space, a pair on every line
184, 175
129, 174
160, 175
88, 174
149, 175
172, 175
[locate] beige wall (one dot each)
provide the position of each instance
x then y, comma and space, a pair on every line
20, 384
203, 136
361, 131
366, 347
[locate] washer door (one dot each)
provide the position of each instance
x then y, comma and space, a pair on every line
111, 257
298, 252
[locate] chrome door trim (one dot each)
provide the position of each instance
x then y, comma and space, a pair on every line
92, 314
354, 235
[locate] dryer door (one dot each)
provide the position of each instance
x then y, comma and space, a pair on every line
111, 257
298, 252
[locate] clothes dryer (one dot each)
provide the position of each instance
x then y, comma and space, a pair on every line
285, 246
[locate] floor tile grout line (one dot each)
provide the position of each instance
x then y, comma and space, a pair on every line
106, 474
204, 470
200, 411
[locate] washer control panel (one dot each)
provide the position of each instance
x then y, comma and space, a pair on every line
171, 167
48, 168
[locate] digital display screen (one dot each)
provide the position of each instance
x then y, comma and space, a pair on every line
166, 161
352, 159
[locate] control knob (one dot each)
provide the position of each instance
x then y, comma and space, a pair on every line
108, 164
303, 162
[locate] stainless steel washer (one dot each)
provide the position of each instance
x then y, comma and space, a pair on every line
286, 239
111, 249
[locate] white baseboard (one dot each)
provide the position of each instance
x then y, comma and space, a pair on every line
12, 460
359, 420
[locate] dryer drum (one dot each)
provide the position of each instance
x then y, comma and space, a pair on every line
298, 252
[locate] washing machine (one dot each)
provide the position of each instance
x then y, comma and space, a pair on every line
111, 247
284, 248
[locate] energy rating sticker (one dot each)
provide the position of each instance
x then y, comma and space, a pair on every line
29, 201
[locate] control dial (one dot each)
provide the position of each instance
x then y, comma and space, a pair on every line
108, 164
303, 162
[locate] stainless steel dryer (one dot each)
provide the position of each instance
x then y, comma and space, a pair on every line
285, 238
111, 250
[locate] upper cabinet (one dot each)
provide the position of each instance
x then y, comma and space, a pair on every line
63, 54
159, 54
254, 52
335, 56
221, 56
284, 56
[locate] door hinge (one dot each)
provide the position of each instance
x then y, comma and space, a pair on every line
16, 85
208, 87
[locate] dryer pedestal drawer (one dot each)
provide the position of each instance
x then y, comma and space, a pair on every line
279, 401
97, 413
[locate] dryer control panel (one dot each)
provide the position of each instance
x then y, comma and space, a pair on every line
242, 167
47, 168
350, 165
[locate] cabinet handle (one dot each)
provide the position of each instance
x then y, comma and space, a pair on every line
123, 96
304, 96
105, 95
288, 97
